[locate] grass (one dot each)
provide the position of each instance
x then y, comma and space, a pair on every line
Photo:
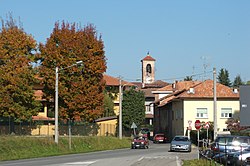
201, 162
23, 147
16, 147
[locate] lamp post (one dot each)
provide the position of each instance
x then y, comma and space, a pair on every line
215, 104
56, 99
120, 108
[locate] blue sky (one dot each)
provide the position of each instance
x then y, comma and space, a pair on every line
182, 35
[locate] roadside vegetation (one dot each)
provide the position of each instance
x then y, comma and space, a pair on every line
13, 147
201, 162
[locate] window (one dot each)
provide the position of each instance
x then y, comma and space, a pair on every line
201, 113
148, 109
226, 112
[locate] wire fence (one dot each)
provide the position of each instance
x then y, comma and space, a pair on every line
9, 126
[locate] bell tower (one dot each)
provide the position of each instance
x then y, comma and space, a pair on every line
148, 69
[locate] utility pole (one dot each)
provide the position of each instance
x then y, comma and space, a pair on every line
56, 108
120, 108
215, 104
56, 99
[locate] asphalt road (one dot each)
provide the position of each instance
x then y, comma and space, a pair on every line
156, 155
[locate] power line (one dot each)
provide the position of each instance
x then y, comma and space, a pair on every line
191, 75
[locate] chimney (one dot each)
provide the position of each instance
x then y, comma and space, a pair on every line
191, 91
174, 85
235, 90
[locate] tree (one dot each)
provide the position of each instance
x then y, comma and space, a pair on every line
133, 108
80, 89
17, 99
237, 82
188, 78
108, 106
223, 77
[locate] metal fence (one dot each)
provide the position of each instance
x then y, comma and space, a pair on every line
9, 126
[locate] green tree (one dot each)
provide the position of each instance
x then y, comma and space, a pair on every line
223, 77
80, 89
133, 108
108, 106
17, 99
237, 82
188, 78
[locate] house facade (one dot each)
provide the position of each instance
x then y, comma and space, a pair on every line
191, 101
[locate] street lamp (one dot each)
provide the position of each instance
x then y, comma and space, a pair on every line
56, 99
120, 106
215, 104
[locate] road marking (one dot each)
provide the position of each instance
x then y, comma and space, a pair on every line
158, 157
81, 163
178, 161
84, 163
173, 158
140, 159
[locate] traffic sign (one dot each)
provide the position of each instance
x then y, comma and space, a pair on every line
133, 126
207, 125
197, 124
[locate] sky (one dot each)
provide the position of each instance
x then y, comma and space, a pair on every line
186, 37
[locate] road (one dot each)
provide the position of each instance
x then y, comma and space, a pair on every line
157, 154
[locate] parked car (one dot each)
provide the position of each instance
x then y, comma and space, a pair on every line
160, 138
181, 143
239, 157
247, 161
139, 142
220, 158
145, 132
230, 143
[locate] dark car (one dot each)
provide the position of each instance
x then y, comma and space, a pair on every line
247, 161
220, 158
230, 143
160, 138
239, 158
181, 143
139, 142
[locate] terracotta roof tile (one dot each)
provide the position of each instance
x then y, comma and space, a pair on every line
179, 85
148, 58
205, 90
38, 94
148, 92
166, 101
112, 81
200, 90
42, 118
156, 84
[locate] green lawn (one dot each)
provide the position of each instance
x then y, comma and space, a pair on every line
18, 147
21, 147
201, 162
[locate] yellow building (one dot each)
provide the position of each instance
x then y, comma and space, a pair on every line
189, 101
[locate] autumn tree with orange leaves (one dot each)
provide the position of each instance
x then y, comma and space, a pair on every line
17, 48
81, 89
